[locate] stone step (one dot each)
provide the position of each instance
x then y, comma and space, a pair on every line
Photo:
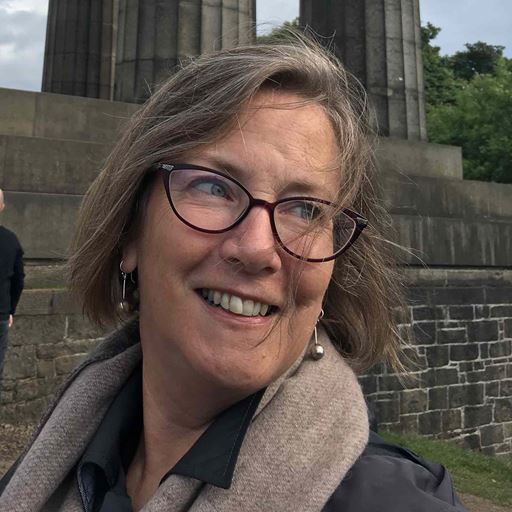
36, 164
59, 116
44, 277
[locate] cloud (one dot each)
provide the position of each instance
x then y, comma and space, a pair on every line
22, 36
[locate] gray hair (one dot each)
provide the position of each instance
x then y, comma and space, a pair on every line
198, 105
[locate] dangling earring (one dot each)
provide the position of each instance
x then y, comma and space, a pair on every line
317, 350
124, 305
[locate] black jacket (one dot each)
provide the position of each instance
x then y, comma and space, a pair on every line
11, 272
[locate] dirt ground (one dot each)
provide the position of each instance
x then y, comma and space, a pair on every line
14, 437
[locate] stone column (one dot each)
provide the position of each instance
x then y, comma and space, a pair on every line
79, 47
380, 42
155, 35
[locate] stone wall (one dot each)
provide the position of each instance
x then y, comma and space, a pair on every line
48, 339
459, 323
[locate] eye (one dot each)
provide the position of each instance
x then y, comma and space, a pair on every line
212, 187
305, 210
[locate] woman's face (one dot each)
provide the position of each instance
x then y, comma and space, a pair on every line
275, 152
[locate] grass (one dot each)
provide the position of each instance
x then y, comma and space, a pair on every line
472, 472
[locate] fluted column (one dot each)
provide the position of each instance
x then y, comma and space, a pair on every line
79, 48
380, 42
154, 35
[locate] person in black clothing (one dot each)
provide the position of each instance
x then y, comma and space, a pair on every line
11, 281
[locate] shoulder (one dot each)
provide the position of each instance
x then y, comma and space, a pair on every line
387, 477
8, 236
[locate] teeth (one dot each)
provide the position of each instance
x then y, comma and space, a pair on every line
235, 304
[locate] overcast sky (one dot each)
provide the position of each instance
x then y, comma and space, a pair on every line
23, 27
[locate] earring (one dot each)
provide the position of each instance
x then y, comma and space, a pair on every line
317, 350
124, 305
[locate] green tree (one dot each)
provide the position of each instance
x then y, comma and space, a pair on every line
284, 31
478, 58
480, 121
440, 82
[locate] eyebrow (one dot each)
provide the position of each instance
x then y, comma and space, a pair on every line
242, 174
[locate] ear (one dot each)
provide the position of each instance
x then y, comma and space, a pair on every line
129, 257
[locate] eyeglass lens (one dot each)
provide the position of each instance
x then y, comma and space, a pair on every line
213, 202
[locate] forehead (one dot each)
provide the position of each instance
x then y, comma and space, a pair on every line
279, 138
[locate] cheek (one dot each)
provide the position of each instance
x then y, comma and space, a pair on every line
311, 284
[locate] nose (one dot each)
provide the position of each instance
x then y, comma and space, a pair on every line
252, 245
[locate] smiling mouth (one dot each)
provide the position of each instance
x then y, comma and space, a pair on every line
235, 304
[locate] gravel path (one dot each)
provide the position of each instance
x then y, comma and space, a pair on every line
14, 437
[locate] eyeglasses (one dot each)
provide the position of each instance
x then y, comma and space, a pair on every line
308, 228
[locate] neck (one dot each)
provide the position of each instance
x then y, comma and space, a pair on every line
176, 412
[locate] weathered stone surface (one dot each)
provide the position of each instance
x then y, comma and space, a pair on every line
437, 356
466, 394
477, 415
461, 312
31, 330
64, 364
387, 411
451, 420
413, 401
500, 348
430, 422
491, 434
466, 352
503, 409
438, 398
484, 330
20, 362
424, 333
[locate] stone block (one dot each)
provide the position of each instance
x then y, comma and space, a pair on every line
500, 349
49, 351
482, 311
421, 313
390, 383
498, 295
18, 112
455, 241
506, 388
461, 312
471, 441
475, 416
507, 328
484, 350
50, 165
413, 401
502, 410
417, 295
34, 388
387, 411
466, 394
501, 311
491, 434
45, 368
451, 420
466, 367
424, 333
507, 429
44, 223
33, 330
492, 389
496, 371
408, 423
478, 376
437, 355
446, 376
20, 362
458, 295
489, 451
465, 352
80, 327
65, 364
35, 302
438, 398
368, 384
452, 335
483, 330
429, 423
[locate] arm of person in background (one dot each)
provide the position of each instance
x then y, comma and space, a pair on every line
17, 282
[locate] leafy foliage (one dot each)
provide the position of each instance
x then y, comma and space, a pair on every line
469, 104
280, 33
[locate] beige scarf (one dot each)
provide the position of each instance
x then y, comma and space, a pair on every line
309, 429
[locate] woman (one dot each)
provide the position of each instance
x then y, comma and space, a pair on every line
230, 222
